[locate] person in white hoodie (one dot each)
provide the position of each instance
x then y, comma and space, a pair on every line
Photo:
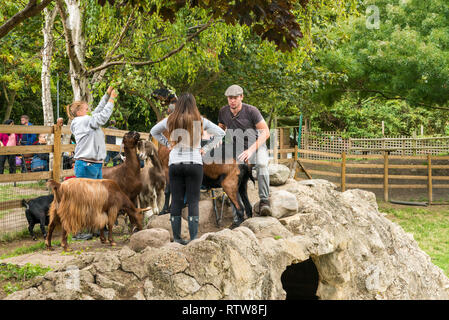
90, 150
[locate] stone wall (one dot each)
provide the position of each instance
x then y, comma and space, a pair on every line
358, 254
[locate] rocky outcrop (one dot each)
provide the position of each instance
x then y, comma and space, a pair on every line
279, 174
352, 251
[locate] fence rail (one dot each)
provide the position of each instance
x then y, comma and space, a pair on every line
334, 142
336, 169
12, 217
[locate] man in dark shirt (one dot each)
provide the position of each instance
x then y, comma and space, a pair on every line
247, 128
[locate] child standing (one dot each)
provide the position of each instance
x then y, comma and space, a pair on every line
90, 150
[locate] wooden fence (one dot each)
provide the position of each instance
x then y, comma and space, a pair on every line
57, 148
333, 142
337, 169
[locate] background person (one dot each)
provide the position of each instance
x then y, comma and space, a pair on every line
111, 140
40, 160
239, 115
9, 139
28, 139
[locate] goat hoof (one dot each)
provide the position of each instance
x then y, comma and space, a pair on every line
50, 248
103, 240
67, 249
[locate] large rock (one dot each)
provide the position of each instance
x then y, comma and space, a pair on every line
338, 246
154, 237
163, 222
279, 174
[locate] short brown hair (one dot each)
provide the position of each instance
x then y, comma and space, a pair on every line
73, 108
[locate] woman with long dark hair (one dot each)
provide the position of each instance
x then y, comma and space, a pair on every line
185, 126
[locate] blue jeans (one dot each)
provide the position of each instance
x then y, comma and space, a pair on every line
84, 169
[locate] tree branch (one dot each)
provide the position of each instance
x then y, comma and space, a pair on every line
386, 97
148, 100
150, 62
31, 9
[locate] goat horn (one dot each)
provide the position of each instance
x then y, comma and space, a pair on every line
145, 209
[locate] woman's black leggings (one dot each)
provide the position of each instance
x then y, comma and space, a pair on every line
185, 180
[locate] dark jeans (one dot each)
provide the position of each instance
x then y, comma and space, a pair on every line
185, 180
11, 160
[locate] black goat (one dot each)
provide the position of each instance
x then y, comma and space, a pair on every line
37, 212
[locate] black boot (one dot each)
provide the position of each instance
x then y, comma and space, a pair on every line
176, 228
193, 226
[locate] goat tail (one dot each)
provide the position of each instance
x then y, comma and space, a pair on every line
55, 188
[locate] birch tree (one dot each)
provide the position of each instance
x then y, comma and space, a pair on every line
47, 54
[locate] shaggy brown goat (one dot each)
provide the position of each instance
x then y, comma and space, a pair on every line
127, 174
81, 203
152, 176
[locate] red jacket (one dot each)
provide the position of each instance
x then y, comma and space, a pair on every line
5, 136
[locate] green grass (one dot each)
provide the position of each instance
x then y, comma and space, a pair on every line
18, 275
17, 235
33, 248
430, 228
7, 192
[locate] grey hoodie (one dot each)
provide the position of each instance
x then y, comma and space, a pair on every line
89, 137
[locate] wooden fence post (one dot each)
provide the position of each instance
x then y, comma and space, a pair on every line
429, 178
343, 172
276, 145
295, 167
57, 131
386, 176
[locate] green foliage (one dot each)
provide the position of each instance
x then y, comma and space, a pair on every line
363, 118
20, 65
18, 275
406, 58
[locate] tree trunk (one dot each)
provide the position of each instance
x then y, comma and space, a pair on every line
75, 45
47, 54
10, 98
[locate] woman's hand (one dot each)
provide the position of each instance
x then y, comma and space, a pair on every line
109, 90
202, 152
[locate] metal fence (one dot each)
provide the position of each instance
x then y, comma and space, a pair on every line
17, 186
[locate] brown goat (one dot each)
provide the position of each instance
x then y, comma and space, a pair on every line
127, 174
152, 176
81, 203
232, 177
